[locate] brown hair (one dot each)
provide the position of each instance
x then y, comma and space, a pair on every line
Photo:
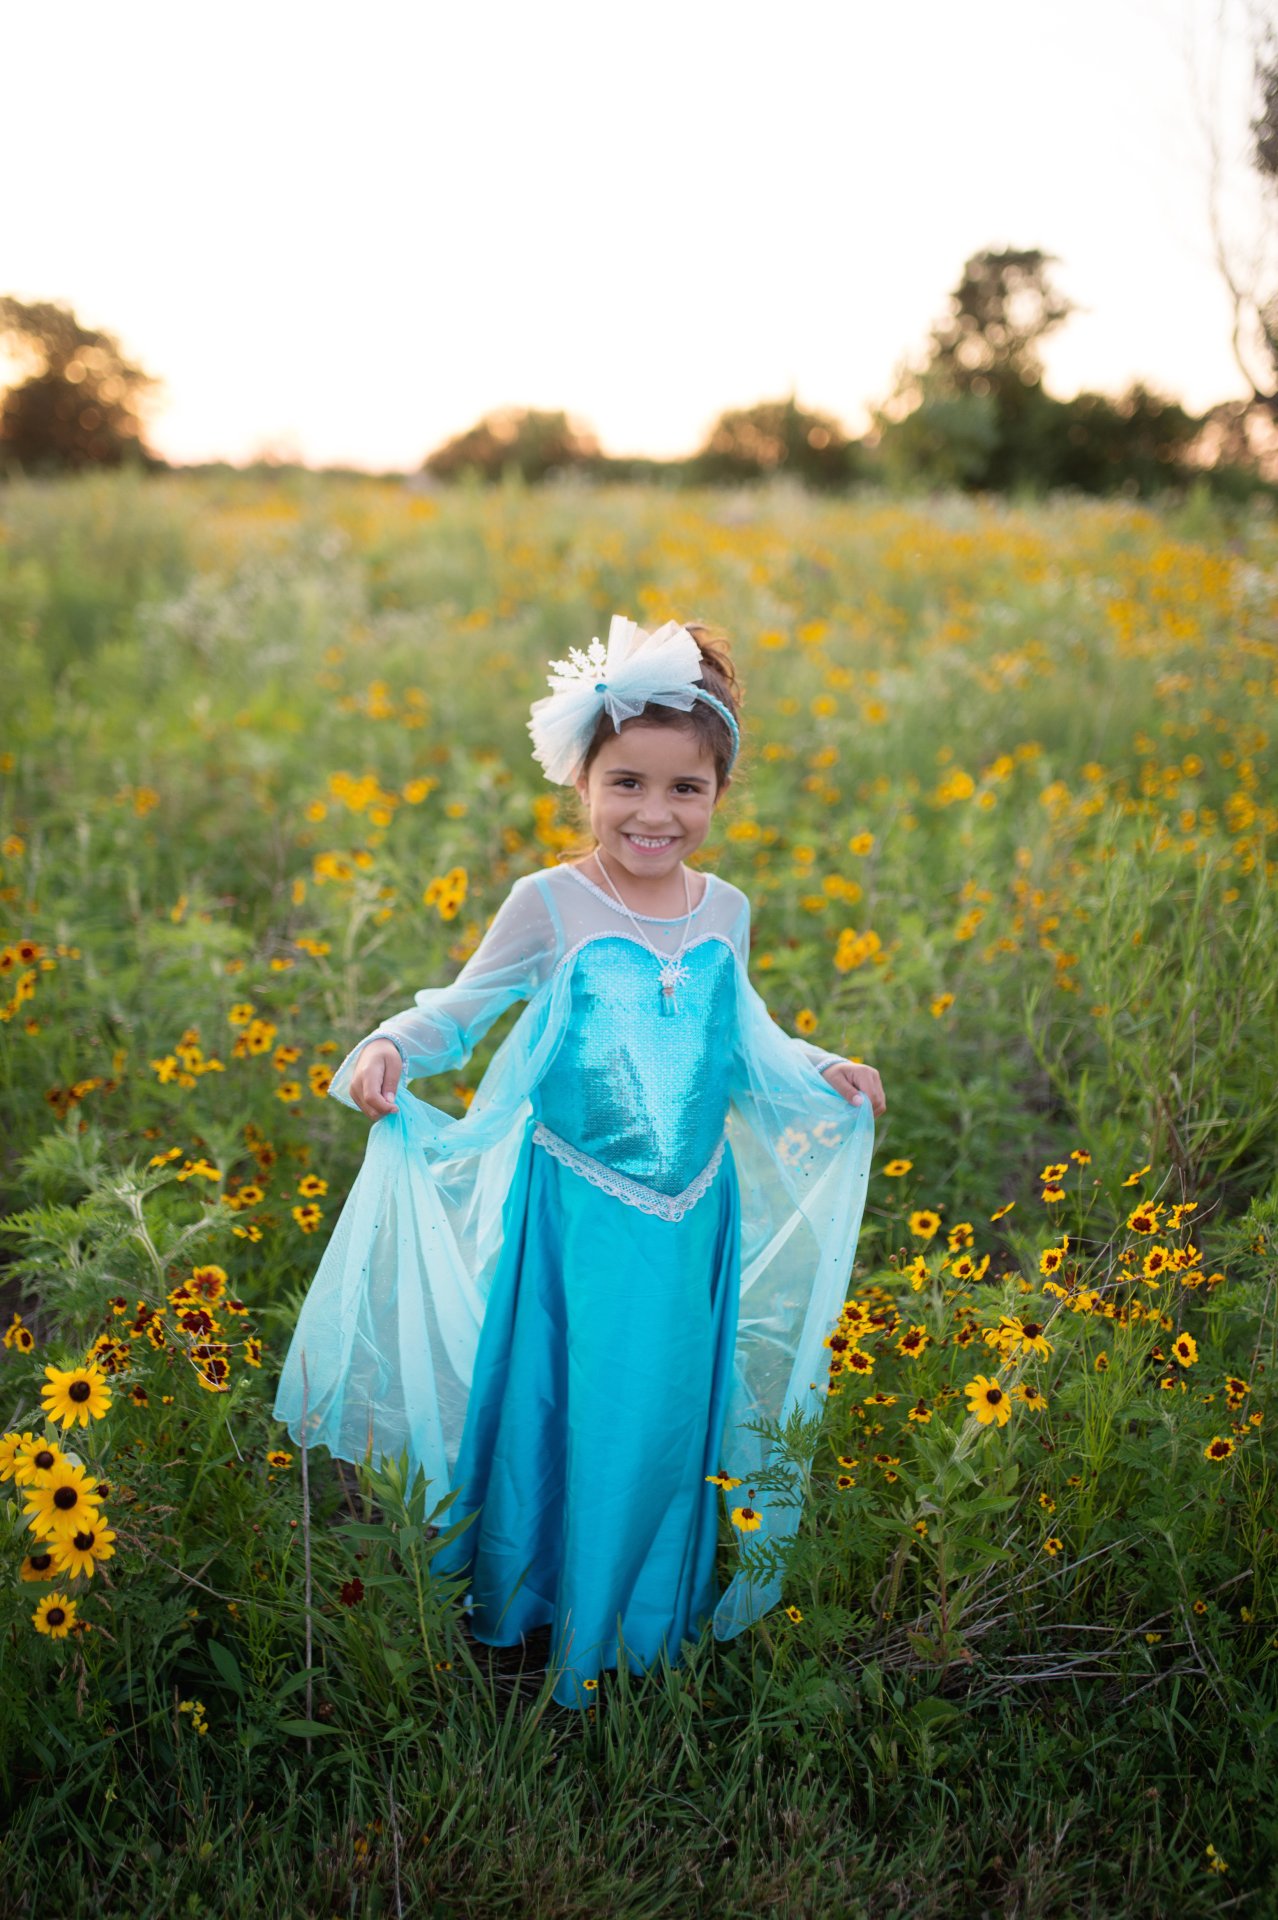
710, 729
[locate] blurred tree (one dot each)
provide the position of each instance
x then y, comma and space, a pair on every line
774, 436
979, 394
1138, 444
945, 439
78, 406
534, 444
1001, 309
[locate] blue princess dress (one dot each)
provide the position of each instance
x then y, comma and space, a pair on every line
576, 1301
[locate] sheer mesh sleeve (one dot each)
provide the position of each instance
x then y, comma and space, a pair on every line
441, 1030
819, 1056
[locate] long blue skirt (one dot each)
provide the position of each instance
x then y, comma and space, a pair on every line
601, 1385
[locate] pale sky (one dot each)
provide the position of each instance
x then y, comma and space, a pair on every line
344, 232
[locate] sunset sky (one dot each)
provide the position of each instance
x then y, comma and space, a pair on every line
344, 233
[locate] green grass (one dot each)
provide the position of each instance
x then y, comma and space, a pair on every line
1029, 751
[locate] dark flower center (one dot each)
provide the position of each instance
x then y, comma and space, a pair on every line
79, 1390
83, 1541
55, 1616
66, 1497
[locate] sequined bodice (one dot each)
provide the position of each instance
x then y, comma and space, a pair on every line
644, 1092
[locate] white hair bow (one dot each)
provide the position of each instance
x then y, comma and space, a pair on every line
634, 669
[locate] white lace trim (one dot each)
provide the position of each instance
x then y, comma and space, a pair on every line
666, 1206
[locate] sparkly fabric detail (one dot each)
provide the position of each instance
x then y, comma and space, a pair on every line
666, 1206
645, 1095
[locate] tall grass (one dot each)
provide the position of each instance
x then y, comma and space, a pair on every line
1004, 813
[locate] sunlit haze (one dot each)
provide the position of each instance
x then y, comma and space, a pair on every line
344, 233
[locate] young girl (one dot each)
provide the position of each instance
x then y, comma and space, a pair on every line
575, 1303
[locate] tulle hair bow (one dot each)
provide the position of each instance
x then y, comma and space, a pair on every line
635, 669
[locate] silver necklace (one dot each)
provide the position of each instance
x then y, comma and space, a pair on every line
674, 971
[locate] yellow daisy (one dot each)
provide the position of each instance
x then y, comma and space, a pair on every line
55, 1616
81, 1551
75, 1394
65, 1501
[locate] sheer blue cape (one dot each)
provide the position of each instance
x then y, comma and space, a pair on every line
390, 1325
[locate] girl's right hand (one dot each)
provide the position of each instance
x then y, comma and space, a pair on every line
374, 1078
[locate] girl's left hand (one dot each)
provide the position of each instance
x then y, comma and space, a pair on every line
852, 1078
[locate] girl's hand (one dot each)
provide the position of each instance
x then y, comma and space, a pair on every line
374, 1078
852, 1078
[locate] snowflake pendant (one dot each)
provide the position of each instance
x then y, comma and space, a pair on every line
673, 974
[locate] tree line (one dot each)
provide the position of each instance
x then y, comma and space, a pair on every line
970, 413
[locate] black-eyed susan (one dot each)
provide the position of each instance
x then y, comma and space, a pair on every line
38, 1565
55, 1615
896, 1168
1185, 1349
924, 1223
65, 1499
19, 1336
9, 1445
81, 1552
1024, 1336
1144, 1218
988, 1401
1053, 1545
75, 1394
34, 1457
792, 1613
724, 1480
747, 1519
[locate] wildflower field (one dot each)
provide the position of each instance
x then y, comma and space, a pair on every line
1006, 811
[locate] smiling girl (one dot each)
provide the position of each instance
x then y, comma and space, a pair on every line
575, 1305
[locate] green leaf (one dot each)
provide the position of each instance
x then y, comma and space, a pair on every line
228, 1666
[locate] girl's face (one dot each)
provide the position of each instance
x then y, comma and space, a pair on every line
650, 794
